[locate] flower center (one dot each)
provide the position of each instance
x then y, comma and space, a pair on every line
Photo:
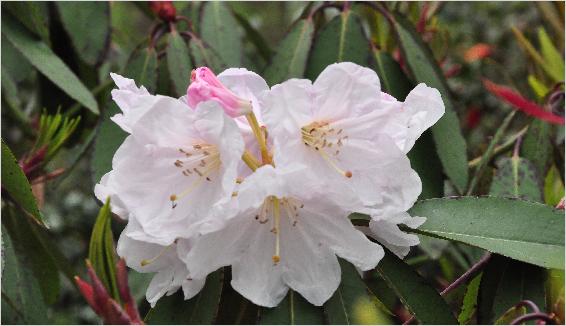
326, 141
198, 164
272, 207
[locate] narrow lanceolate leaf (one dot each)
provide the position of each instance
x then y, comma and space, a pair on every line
205, 56
419, 297
553, 187
47, 62
201, 309
293, 310
506, 282
220, 30
353, 303
552, 58
33, 15
516, 177
16, 184
450, 143
21, 296
393, 79
342, 39
519, 102
101, 250
88, 26
470, 302
500, 225
141, 67
292, 53
537, 145
178, 62
255, 37
30, 248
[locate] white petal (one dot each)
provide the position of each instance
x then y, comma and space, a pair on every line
192, 287
106, 188
424, 107
159, 286
387, 232
309, 266
345, 89
331, 226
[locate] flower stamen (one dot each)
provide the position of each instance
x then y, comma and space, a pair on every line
320, 136
146, 262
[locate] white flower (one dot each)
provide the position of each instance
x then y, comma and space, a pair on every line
174, 168
146, 257
285, 235
355, 138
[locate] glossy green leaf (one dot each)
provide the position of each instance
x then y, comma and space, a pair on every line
200, 310
505, 283
47, 62
204, 55
470, 302
293, 310
88, 26
553, 187
16, 184
450, 144
516, 177
342, 39
537, 86
353, 303
220, 30
292, 53
101, 253
419, 297
21, 295
28, 246
32, 14
553, 60
504, 226
537, 146
178, 62
142, 68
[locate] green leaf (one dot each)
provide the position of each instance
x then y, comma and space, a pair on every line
506, 282
33, 15
101, 251
450, 143
553, 60
353, 303
292, 53
293, 310
510, 315
201, 309
178, 62
537, 146
16, 184
419, 297
88, 26
393, 79
538, 87
142, 67
342, 39
500, 225
470, 302
30, 248
221, 31
255, 37
516, 177
21, 295
47, 62
553, 187
204, 55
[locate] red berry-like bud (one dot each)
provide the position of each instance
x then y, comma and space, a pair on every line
164, 10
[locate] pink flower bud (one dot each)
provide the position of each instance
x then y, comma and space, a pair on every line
205, 86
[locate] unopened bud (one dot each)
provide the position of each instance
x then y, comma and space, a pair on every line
164, 10
205, 86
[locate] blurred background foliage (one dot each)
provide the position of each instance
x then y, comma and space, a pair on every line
471, 41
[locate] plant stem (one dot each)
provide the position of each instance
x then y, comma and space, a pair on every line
489, 152
501, 148
250, 160
252, 120
532, 316
467, 276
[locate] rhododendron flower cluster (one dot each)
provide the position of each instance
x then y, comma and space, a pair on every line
263, 179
